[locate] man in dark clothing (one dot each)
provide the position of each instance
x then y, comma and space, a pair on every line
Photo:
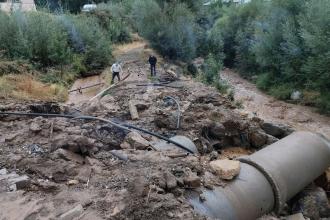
153, 62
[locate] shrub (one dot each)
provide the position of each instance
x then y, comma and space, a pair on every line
97, 49
282, 92
170, 29
264, 81
324, 103
11, 39
111, 18
211, 69
46, 39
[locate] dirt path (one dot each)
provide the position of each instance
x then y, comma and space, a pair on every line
131, 56
270, 109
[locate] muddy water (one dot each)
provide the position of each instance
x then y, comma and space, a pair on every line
85, 94
266, 107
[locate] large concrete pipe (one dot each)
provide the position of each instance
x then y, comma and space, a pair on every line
268, 178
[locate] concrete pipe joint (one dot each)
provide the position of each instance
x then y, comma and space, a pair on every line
268, 178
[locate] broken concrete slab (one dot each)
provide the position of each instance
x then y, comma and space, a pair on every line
226, 169
21, 182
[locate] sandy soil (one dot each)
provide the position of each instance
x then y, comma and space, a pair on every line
268, 108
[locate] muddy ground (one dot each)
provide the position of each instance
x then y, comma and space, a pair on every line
59, 168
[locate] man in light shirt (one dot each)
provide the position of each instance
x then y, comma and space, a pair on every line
116, 70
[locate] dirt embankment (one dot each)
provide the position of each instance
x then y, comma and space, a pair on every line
268, 108
58, 168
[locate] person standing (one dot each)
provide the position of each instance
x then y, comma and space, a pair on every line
152, 62
116, 70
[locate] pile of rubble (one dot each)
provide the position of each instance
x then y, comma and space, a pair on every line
81, 169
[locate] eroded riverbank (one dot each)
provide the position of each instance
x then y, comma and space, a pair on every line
273, 110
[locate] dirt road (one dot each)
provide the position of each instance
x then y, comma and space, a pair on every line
270, 109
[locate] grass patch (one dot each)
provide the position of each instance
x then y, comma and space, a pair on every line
27, 87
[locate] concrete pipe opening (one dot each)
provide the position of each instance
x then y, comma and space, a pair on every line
268, 178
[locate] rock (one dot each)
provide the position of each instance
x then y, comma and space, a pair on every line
170, 180
218, 130
136, 141
9, 176
133, 110
271, 139
296, 95
214, 155
72, 182
125, 145
84, 174
35, 127
141, 105
258, 139
3, 171
313, 203
192, 180
70, 156
226, 169
74, 143
11, 137
298, 216
21, 182
324, 181
73, 213
276, 130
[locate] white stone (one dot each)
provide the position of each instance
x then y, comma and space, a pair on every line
226, 169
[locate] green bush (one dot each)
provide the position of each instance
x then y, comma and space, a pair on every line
170, 29
282, 92
111, 18
211, 69
97, 49
324, 103
11, 38
264, 81
46, 39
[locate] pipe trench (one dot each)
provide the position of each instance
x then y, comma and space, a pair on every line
268, 178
